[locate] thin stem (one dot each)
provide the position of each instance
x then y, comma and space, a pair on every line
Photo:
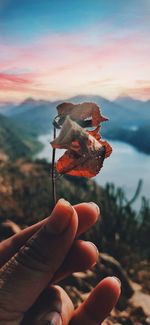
53, 172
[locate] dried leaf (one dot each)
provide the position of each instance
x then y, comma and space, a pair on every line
95, 133
87, 165
108, 148
86, 151
85, 114
70, 134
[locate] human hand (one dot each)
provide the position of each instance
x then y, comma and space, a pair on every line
38, 257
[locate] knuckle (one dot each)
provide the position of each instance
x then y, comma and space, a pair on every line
36, 254
7, 317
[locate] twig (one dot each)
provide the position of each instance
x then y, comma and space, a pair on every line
53, 172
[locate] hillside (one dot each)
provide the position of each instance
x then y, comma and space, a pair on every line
26, 203
25, 198
139, 138
140, 109
34, 117
14, 143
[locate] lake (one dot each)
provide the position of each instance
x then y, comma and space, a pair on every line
124, 168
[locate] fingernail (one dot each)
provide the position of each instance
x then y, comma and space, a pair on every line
95, 206
52, 318
115, 278
60, 217
93, 245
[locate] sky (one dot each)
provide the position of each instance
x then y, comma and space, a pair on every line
57, 49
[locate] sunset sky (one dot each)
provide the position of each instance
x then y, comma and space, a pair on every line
57, 49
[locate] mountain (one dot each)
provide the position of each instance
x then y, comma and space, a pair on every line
26, 106
128, 102
113, 111
140, 109
145, 111
14, 143
139, 138
5, 108
33, 116
36, 116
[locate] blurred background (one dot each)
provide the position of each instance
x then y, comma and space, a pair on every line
80, 51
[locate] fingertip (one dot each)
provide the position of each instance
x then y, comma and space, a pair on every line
110, 289
90, 208
113, 285
88, 215
87, 254
62, 217
95, 207
91, 251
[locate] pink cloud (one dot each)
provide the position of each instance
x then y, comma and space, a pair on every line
13, 78
62, 64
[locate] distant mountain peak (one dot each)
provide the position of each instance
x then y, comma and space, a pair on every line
28, 101
124, 96
35, 102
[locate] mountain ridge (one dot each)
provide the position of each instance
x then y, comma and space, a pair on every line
35, 117
120, 110
36, 113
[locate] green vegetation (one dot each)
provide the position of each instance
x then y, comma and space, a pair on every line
122, 232
14, 142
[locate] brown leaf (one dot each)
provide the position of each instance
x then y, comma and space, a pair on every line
95, 133
82, 112
87, 165
86, 151
70, 135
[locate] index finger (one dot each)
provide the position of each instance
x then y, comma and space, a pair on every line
88, 214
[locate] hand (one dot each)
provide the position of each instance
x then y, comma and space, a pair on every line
35, 259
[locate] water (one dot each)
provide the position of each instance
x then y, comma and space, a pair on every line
124, 168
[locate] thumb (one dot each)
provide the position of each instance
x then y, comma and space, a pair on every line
53, 306
25, 276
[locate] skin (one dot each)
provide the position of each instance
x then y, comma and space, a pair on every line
34, 260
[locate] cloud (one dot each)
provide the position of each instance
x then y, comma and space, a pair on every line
139, 92
61, 65
13, 78
22, 85
15, 83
